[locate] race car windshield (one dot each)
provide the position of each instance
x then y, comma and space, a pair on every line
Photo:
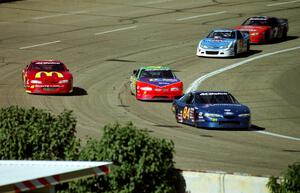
47, 67
167, 74
215, 99
221, 34
257, 22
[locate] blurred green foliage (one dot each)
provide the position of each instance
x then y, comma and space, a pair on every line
34, 134
288, 183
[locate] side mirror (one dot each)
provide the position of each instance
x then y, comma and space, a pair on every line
134, 71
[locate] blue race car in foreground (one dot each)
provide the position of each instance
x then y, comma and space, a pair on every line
215, 109
224, 43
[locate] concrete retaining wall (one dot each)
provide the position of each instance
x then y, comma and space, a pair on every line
205, 182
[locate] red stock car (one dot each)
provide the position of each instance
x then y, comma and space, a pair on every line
263, 29
155, 83
47, 77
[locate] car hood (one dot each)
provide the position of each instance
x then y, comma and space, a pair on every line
159, 81
216, 43
252, 28
225, 108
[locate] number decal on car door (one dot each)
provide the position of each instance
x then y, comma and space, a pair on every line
186, 113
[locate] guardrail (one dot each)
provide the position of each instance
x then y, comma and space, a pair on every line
220, 182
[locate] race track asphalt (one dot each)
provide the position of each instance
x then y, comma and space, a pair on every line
103, 41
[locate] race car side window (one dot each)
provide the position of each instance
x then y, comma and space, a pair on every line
189, 98
233, 99
239, 35
273, 22
136, 72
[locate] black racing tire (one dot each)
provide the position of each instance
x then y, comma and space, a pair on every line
248, 46
284, 33
267, 37
176, 115
235, 50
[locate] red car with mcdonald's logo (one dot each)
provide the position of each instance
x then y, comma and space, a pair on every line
47, 77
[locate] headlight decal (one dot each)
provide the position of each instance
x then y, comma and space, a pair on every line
244, 115
35, 81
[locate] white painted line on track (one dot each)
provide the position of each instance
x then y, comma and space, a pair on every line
42, 44
50, 16
282, 3
116, 30
197, 16
278, 135
197, 82
59, 15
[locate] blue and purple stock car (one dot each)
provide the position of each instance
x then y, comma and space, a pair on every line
208, 109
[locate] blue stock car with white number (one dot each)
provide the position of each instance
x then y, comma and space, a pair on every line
208, 109
224, 43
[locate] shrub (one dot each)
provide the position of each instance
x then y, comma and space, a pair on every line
141, 163
37, 134
289, 183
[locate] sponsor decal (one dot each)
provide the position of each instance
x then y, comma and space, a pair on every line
228, 113
214, 119
213, 93
49, 86
47, 62
39, 74
161, 80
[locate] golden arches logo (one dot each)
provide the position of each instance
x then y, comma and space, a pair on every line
39, 74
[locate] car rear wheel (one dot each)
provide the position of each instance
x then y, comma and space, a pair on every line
267, 37
235, 50
248, 46
284, 33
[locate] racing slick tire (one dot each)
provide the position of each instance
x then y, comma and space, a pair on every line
267, 37
248, 46
235, 50
284, 33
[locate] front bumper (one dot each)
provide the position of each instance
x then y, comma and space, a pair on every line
215, 52
49, 88
238, 123
159, 96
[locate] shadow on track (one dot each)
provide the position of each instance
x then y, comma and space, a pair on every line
252, 128
277, 41
247, 54
77, 91
8, 1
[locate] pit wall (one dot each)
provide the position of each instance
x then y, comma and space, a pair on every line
205, 182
